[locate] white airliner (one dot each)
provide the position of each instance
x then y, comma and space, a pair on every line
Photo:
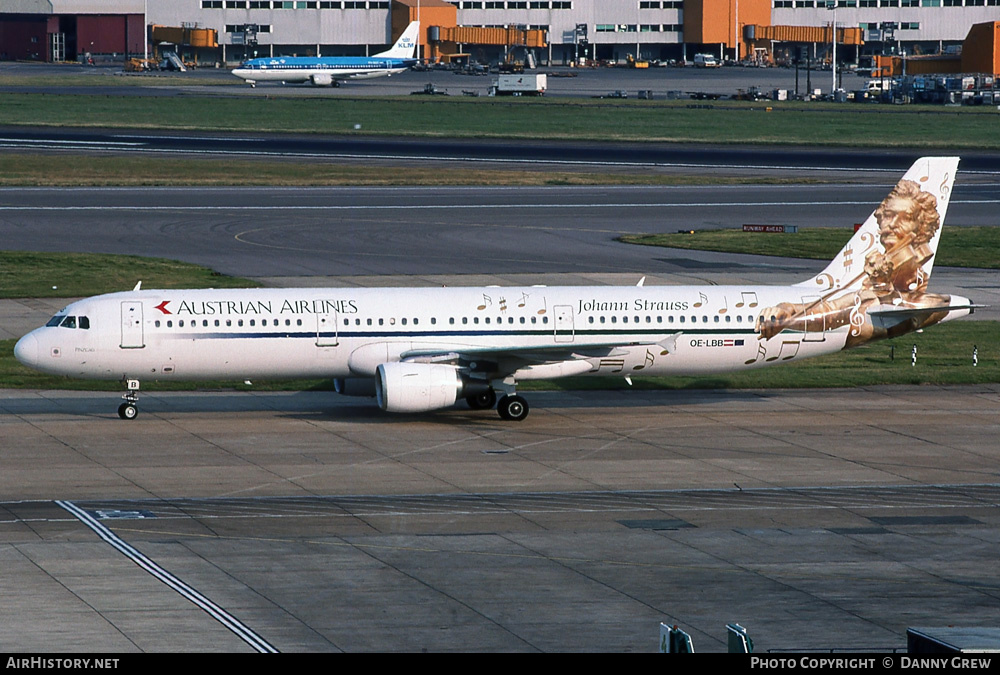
330, 70
422, 349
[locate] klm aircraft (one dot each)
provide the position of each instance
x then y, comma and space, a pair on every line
330, 70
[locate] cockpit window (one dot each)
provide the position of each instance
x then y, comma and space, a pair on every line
69, 322
56, 320
84, 323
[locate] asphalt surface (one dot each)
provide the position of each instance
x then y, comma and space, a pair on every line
816, 519
457, 236
236, 522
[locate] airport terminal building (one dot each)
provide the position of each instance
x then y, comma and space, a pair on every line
603, 30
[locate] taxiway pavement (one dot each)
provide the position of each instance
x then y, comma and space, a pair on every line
816, 519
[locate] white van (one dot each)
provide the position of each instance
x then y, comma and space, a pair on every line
705, 61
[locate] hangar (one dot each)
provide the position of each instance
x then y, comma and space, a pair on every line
613, 30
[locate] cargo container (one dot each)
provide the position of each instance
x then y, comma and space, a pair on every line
521, 85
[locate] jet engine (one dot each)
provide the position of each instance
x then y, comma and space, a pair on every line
322, 80
416, 387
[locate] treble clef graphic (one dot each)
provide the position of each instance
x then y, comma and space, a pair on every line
857, 318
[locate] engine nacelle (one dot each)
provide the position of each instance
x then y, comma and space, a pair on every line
416, 387
355, 386
322, 80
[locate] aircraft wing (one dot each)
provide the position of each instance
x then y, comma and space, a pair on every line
513, 357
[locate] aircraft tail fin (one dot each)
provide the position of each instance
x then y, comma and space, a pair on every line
406, 45
900, 237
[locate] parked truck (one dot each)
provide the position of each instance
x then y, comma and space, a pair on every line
520, 85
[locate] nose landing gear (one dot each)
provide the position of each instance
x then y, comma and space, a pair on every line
129, 409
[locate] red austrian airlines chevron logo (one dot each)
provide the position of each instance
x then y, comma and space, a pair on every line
163, 307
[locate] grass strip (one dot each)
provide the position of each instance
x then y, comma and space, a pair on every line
30, 274
973, 246
925, 127
75, 170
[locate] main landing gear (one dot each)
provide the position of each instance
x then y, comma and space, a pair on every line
129, 409
510, 406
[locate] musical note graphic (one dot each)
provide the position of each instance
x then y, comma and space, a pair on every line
524, 300
725, 303
487, 301
761, 353
616, 365
857, 318
503, 304
825, 279
743, 299
868, 239
545, 306
793, 347
848, 259
649, 361
704, 299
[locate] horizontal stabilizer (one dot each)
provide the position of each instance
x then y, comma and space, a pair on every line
887, 316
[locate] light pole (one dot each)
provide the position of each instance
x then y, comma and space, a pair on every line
832, 4
736, 32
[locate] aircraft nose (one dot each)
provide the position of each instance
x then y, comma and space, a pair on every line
26, 350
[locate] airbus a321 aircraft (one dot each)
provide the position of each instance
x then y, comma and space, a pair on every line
331, 70
422, 349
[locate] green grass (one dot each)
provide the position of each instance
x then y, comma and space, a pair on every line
924, 127
959, 246
70, 275
129, 170
944, 357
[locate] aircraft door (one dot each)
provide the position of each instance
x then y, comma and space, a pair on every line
326, 330
564, 329
132, 332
